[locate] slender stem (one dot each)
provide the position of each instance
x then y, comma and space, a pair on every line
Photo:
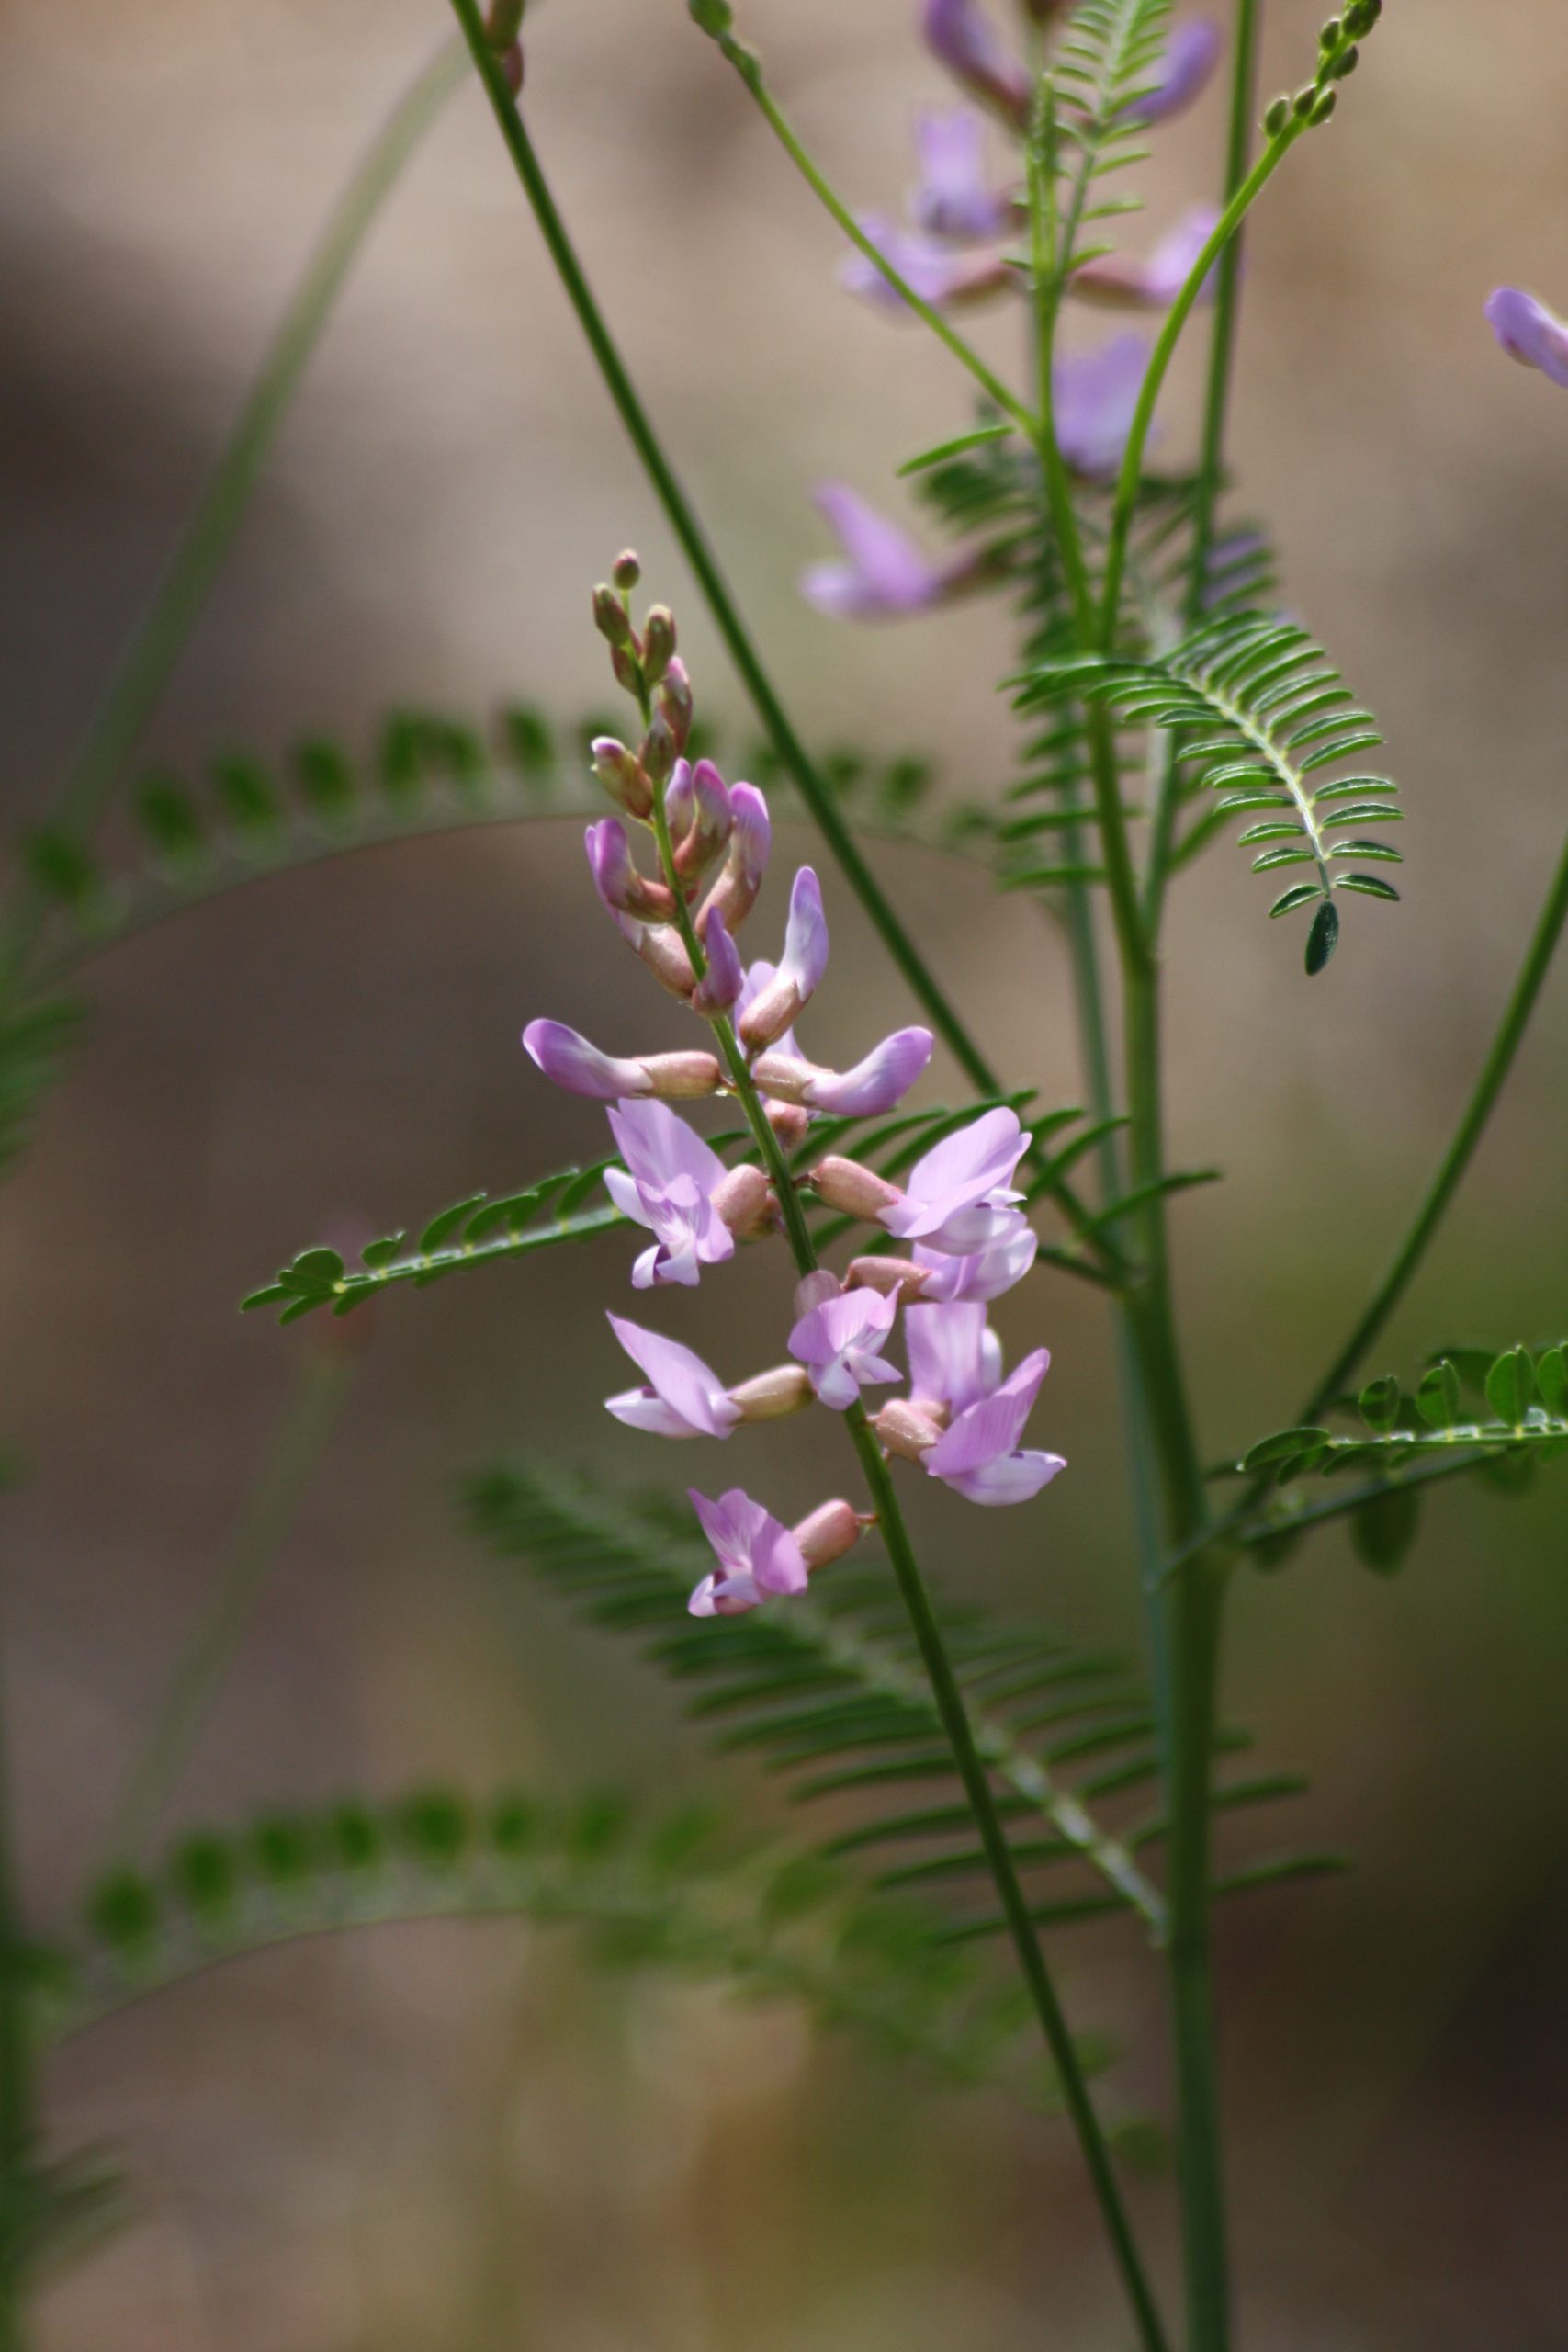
18, 2096
689, 532
1450, 1168
943, 1681
1227, 306
264, 1526
149, 658
789, 138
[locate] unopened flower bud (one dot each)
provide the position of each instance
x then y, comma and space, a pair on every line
659, 751
1305, 99
628, 670
772, 1395
828, 1532
791, 1122
511, 68
624, 890
1278, 116
845, 1185
611, 618
1345, 65
905, 1429
1325, 107
680, 801
663, 950
887, 1275
735, 893
621, 776
745, 1203
681, 1078
503, 22
657, 642
711, 823
673, 699
626, 570
1331, 34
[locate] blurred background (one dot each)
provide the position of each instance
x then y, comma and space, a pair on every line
441, 2139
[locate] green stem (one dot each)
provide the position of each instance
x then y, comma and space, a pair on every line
943, 1681
1227, 306
1450, 1172
992, 384
148, 660
694, 543
326, 1375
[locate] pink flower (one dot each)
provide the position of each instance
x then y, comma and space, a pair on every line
668, 1185
758, 1556
772, 1008
568, 1060
978, 1456
968, 44
873, 1086
1529, 332
1191, 57
723, 983
954, 197
958, 1198
1153, 285
734, 894
982, 1275
1096, 395
955, 1358
837, 1339
928, 266
883, 574
684, 1398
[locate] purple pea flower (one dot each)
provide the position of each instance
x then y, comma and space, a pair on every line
1191, 54
772, 1009
1096, 395
684, 1398
837, 1339
760, 976
628, 897
1529, 332
928, 266
873, 1085
758, 1556
734, 894
668, 1185
978, 1455
963, 37
568, 1060
1153, 285
723, 983
955, 1359
883, 575
958, 1198
985, 1273
953, 197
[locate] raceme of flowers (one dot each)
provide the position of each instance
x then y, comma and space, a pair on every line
957, 248
959, 1415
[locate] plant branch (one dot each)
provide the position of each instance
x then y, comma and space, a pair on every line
1450, 1170
726, 615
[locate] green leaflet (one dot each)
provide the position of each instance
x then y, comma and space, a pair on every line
1259, 710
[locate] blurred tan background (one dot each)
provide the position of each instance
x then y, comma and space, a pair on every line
444, 2139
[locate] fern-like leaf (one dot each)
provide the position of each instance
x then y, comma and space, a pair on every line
678, 1891
1266, 721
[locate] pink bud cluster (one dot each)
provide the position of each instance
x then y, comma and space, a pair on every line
957, 1210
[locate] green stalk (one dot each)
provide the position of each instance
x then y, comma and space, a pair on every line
1450, 1172
148, 660
945, 1689
324, 1378
721, 605
1227, 305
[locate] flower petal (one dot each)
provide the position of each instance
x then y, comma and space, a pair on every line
984, 1274
678, 1378
986, 1431
568, 1060
954, 198
878, 1082
947, 1354
1529, 332
658, 1146
1013, 1478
